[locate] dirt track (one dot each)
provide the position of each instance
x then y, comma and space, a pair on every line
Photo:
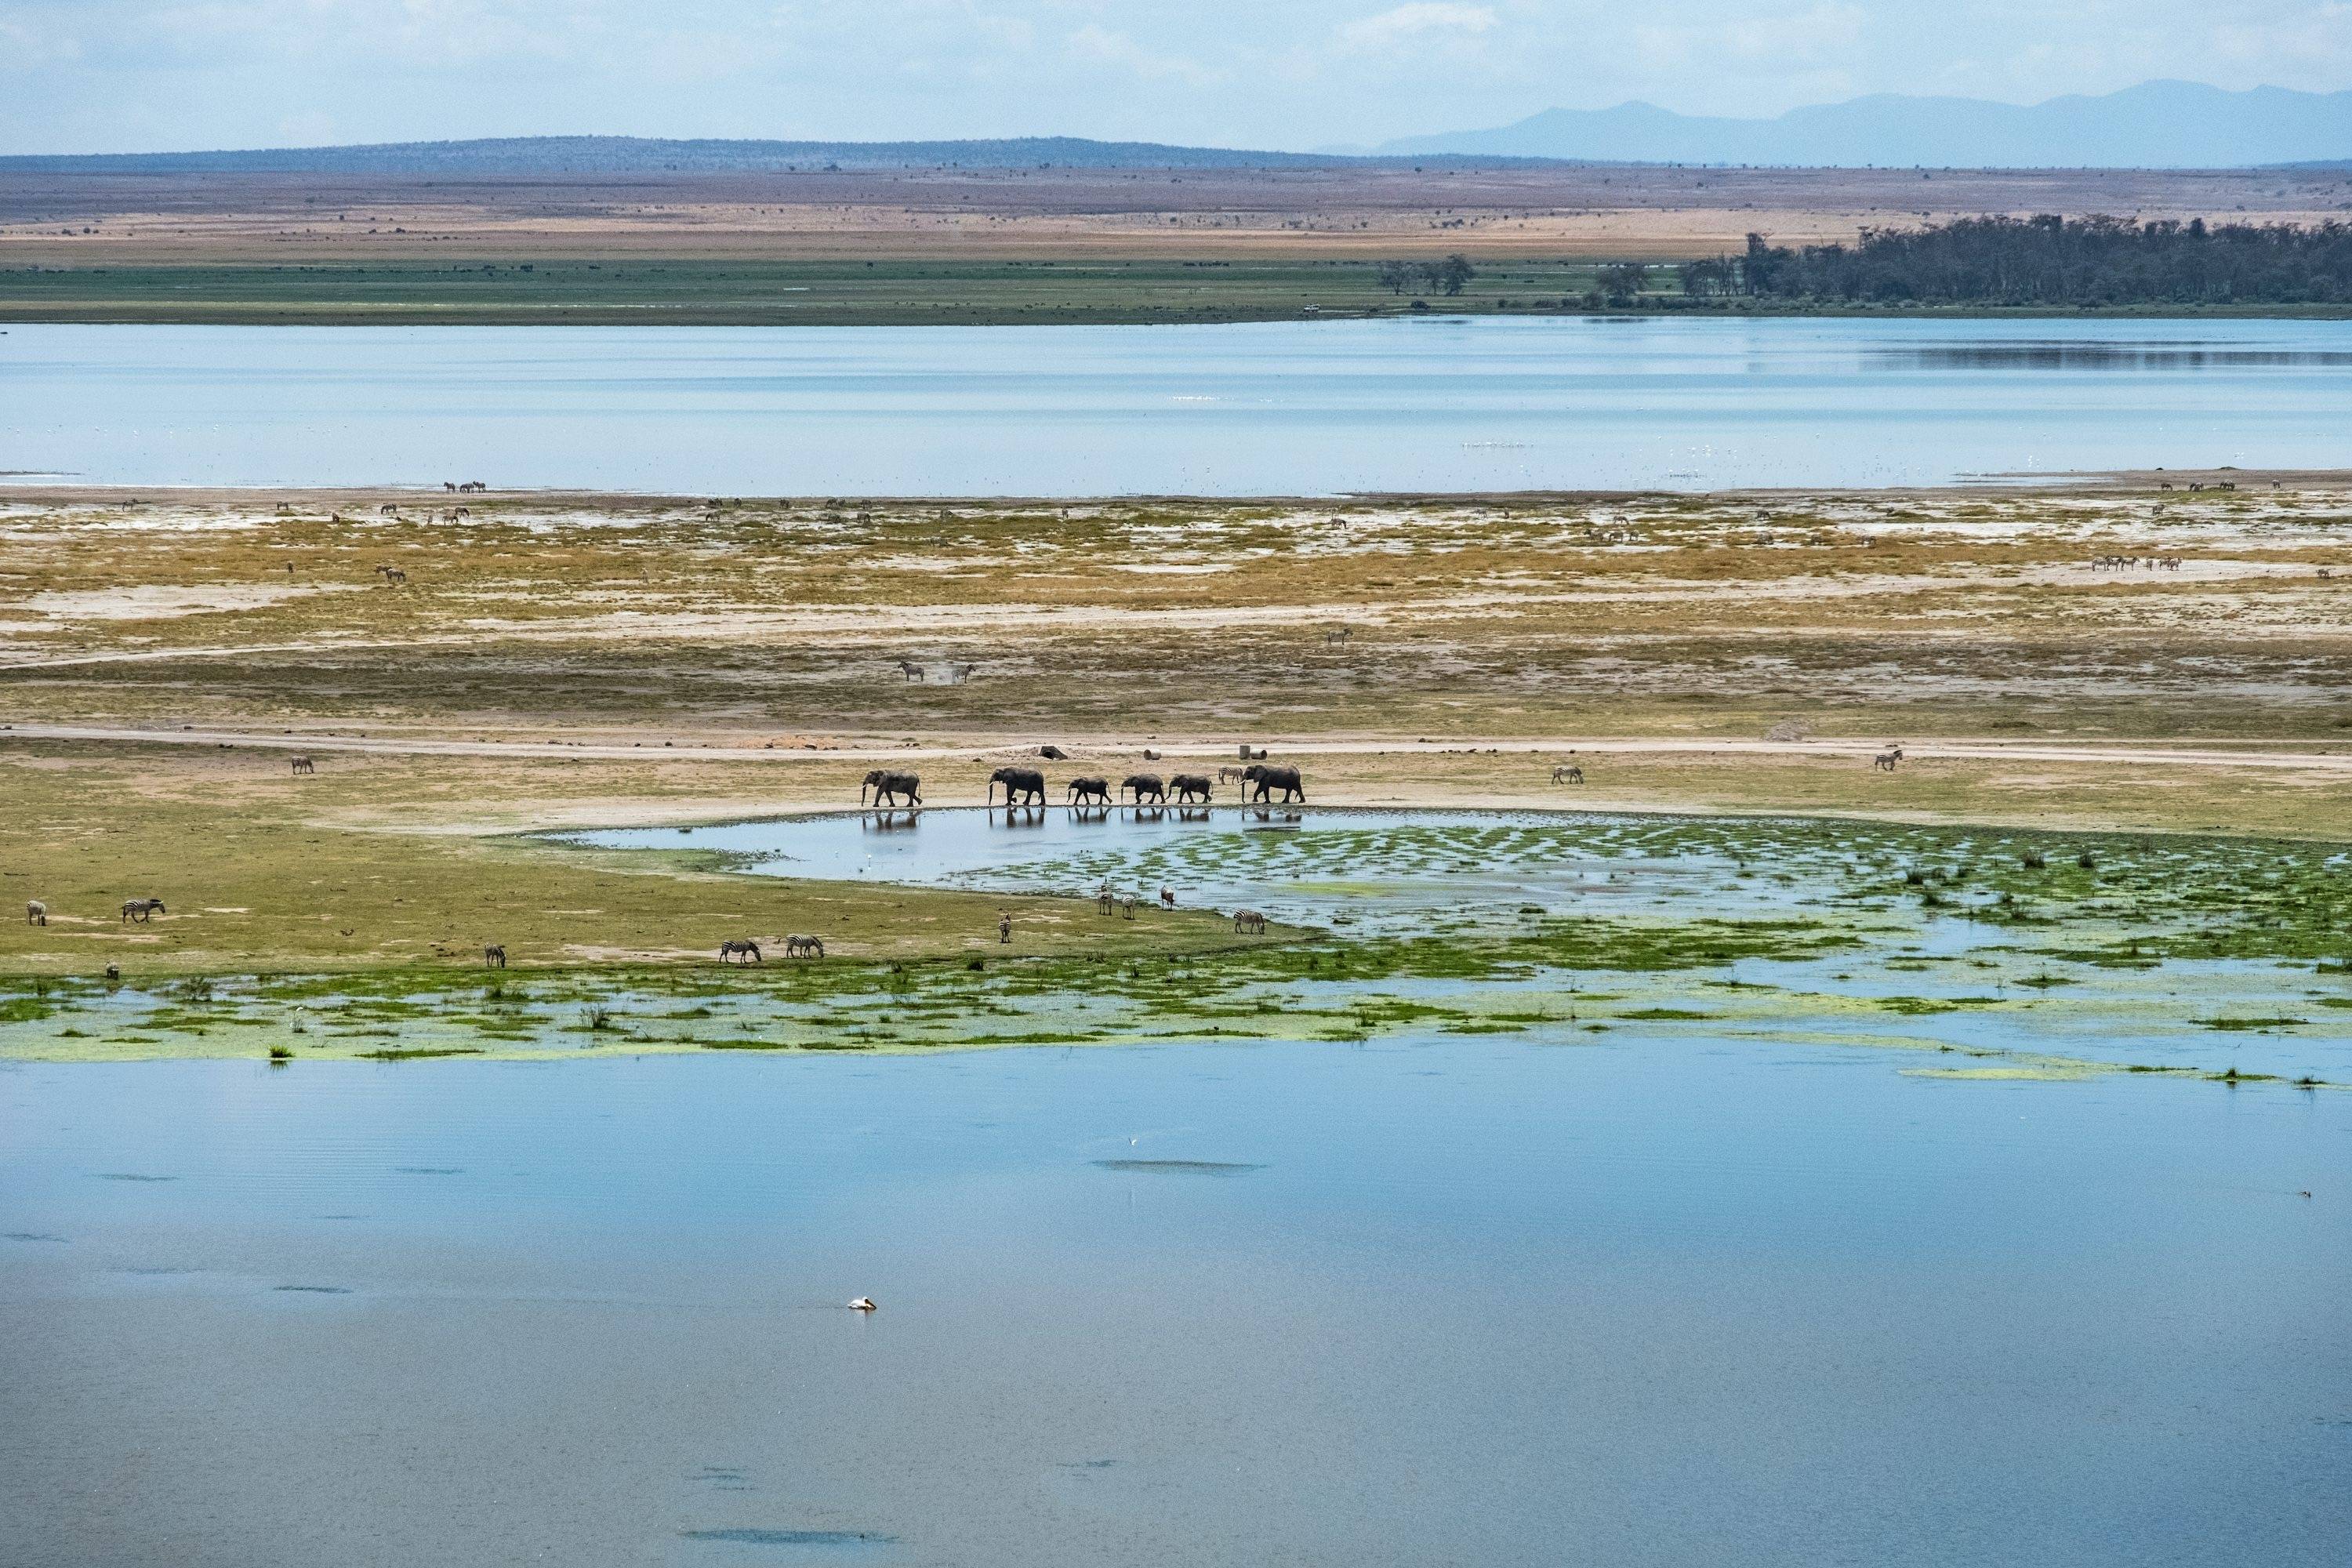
2129, 754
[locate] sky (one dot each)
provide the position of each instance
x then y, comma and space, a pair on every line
99, 75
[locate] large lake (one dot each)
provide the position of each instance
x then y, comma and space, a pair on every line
1267, 409
1667, 1301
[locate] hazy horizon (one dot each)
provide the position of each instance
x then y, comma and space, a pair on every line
148, 76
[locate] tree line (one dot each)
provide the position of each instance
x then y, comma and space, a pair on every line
2049, 261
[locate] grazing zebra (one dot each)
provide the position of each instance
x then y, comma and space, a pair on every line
1337, 635
304, 766
1127, 907
1166, 898
140, 909
803, 947
1569, 772
745, 950
495, 956
393, 576
1103, 898
1884, 761
1004, 926
36, 913
1249, 921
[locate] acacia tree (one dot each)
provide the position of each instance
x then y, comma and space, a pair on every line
1452, 273
1620, 281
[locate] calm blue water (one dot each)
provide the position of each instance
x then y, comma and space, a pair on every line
1636, 1302
1262, 409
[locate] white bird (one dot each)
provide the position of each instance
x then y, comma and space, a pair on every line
863, 1304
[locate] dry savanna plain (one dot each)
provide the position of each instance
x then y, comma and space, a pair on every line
550, 660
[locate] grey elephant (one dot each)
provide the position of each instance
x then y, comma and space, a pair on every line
888, 786
1259, 778
1022, 786
1190, 787
1147, 786
1084, 790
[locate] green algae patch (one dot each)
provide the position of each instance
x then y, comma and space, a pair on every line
2015, 1072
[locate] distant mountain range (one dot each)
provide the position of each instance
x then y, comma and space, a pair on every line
2159, 124
643, 156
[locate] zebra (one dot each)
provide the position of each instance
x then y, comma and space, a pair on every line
495, 956
1884, 761
140, 909
744, 949
910, 670
803, 947
36, 913
303, 764
1569, 772
1248, 921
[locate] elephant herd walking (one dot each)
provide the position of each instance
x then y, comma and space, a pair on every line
1262, 783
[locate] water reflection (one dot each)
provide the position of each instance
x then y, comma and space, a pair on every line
2054, 354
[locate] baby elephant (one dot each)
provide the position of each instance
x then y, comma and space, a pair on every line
803, 947
140, 909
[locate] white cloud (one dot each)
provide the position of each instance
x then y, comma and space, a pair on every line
1419, 19
1104, 47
